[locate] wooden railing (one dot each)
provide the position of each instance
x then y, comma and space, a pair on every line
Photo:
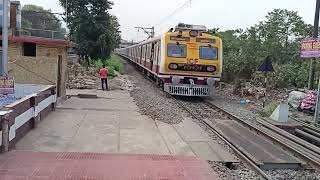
19, 118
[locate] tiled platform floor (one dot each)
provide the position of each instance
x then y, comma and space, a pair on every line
23, 165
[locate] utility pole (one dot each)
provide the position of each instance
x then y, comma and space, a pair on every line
317, 110
315, 35
148, 31
4, 63
67, 12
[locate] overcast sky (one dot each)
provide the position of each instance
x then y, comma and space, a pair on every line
226, 14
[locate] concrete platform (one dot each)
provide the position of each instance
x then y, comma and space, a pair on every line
100, 125
21, 165
266, 155
112, 123
201, 144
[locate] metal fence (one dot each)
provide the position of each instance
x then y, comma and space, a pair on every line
40, 33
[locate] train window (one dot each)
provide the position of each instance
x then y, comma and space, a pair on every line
178, 51
158, 50
209, 53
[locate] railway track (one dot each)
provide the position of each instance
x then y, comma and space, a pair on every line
302, 149
308, 153
239, 152
299, 148
315, 129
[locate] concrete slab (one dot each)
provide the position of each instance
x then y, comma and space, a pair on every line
96, 125
99, 104
115, 94
100, 142
190, 131
134, 141
54, 133
222, 153
265, 153
131, 121
75, 92
175, 143
101, 122
46, 143
211, 151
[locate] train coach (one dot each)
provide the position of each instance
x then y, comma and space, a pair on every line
185, 61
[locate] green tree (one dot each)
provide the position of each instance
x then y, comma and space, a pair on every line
278, 36
92, 28
281, 34
35, 17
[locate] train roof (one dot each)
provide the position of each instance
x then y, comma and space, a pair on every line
159, 37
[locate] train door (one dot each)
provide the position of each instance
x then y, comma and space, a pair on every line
137, 54
146, 56
158, 56
141, 54
152, 55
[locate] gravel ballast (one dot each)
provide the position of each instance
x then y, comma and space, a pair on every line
158, 105
150, 99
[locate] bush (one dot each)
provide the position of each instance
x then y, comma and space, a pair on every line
112, 71
113, 65
294, 74
98, 64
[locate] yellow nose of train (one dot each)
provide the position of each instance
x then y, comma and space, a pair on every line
184, 61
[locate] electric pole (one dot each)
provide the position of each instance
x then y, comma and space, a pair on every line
148, 31
4, 63
67, 12
315, 35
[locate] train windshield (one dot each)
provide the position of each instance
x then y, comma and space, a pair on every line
209, 53
178, 51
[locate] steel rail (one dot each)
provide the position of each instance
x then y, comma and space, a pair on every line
247, 159
306, 125
277, 135
310, 131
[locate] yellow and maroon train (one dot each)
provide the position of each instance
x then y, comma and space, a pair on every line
185, 61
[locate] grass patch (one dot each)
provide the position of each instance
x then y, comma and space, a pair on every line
269, 108
113, 65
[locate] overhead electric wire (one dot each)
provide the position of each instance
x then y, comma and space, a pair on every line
177, 11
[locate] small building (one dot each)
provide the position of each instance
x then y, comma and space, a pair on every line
36, 60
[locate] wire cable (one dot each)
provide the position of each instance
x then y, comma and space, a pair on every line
175, 12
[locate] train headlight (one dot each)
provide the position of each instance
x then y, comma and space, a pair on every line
210, 81
193, 33
211, 68
173, 66
175, 80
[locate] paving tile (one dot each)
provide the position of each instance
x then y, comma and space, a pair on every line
103, 166
142, 142
190, 131
211, 151
174, 142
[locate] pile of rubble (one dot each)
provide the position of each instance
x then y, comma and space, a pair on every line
248, 89
121, 82
80, 77
303, 101
252, 95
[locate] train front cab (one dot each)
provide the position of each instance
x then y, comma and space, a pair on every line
192, 63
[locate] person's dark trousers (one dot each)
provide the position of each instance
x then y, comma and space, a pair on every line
104, 81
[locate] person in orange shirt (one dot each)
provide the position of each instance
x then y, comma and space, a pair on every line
104, 77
